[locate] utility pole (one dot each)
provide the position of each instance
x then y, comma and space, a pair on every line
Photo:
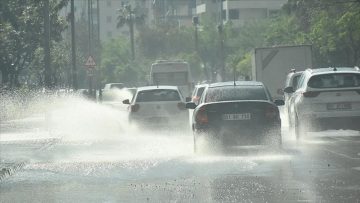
47, 62
221, 36
98, 48
222, 58
73, 47
89, 25
196, 23
131, 21
98, 20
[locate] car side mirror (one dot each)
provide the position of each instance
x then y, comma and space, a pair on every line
190, 105
279, 102
188, 99
126, 101
289, 90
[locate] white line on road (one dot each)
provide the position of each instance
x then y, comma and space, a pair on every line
340, 154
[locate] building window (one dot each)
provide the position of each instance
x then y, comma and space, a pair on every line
108, 3
109, 34
108, 19
234, 14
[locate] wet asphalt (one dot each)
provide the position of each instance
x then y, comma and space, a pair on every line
38, 165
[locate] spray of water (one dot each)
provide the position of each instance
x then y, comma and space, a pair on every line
96, 139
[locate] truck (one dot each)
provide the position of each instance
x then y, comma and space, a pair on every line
174, 73
271, 65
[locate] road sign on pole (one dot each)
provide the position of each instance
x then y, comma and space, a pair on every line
90, 66
90, 62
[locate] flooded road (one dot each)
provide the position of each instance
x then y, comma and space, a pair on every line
79, 151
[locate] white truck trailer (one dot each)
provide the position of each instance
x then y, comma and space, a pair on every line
271, 65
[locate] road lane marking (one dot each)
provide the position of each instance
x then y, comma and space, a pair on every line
341, 154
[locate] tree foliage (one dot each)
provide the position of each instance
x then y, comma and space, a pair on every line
21, 35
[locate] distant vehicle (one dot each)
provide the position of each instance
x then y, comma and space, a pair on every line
236, 114
195, 97
172, 72
160, 106
114, 93
197, 92
132, 90
270, 65
84, 93
113, 85
326, 98
292, 80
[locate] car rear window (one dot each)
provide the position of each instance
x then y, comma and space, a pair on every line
231, 93
119, 86
337, 80
158, 95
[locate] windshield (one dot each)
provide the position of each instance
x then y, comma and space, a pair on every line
340, 80
157, 95
231, 93
173, 78
119, 86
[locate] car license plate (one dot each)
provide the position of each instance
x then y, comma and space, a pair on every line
233, 117
339, 106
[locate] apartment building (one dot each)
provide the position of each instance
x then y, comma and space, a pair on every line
238, 11
155, 11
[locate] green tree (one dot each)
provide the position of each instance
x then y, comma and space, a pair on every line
128, 16
21, 35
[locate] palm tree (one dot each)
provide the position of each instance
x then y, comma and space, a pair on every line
128, 16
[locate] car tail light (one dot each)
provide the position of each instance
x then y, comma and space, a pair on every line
311, 94
135, 108
181, 106
201, 116
271, 112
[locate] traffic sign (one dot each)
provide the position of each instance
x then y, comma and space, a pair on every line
90, 62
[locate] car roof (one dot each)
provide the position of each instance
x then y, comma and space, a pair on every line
237, 83
201, 85
157, 87
319, 71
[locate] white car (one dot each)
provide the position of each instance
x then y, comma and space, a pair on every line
292, 80
109, 86
326, 98
158, 106
198, 91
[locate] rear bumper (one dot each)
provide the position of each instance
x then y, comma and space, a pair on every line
234, 136
327, 123
176, 120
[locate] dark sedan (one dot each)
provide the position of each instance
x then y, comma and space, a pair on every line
236, 113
